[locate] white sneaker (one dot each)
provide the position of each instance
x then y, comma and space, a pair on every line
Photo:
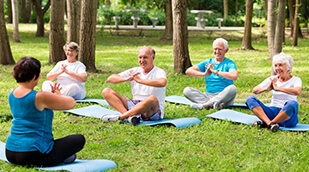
196, 106
218, 105
109, 118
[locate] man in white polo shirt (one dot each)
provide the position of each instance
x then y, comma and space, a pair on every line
147, 87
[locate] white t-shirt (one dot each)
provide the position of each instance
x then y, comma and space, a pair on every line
279, 98
141, 91
65, 79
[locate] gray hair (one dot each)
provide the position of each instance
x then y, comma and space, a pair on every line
284, 58
226, 45
71, 45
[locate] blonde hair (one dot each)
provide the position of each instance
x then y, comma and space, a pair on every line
284, 58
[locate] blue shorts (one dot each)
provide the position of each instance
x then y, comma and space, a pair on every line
154, 117
290, 108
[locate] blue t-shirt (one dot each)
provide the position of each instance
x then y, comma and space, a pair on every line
31, 128
216, 83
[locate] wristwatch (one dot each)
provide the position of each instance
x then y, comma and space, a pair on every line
216, 72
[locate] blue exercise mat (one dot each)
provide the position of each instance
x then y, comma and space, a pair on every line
97, 111
91, 100
76, 166
185, 101
243, 118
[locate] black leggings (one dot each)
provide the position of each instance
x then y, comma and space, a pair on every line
62, 149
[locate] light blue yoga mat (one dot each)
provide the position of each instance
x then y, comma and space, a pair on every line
76, 166
97, 111
102, 102
185, 101
243, 118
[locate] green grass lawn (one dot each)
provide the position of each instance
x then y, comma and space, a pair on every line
211, 146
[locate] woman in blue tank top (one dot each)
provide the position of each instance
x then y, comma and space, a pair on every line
31, 142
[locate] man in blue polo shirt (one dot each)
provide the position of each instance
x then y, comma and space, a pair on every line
220, 73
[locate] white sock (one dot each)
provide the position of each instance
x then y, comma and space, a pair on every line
196, 106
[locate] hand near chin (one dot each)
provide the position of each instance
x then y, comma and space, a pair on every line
274, 85
208, 70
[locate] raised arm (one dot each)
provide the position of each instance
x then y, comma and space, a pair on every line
259, 90
53, 76
195, 71
81, 77
54, 100
115, 79
293, 91
159, 82
232, 75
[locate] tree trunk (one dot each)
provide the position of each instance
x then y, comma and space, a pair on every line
168, 32
296, 23
280, 25
73, 8
88, 34
291, 4
306, 13
15, 21
10, 15
246, 41
271, 26
25, 10
236, 12
266, 9
6, 57
226, 8
56, 35
40, 16
180, 36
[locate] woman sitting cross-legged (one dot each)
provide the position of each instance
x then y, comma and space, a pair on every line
70, 74
284, 88
31, 142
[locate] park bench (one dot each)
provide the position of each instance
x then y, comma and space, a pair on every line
154, 19
117, 19
201, 21
135, 21
134, 17
219, 22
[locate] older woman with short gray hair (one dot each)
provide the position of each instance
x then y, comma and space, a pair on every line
285, 88
70, 74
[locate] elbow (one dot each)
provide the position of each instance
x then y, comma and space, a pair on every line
188, 71
49, 78
235, 77
164, 83
113, 79
84, 79
72, 103
109, 80
297, 93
